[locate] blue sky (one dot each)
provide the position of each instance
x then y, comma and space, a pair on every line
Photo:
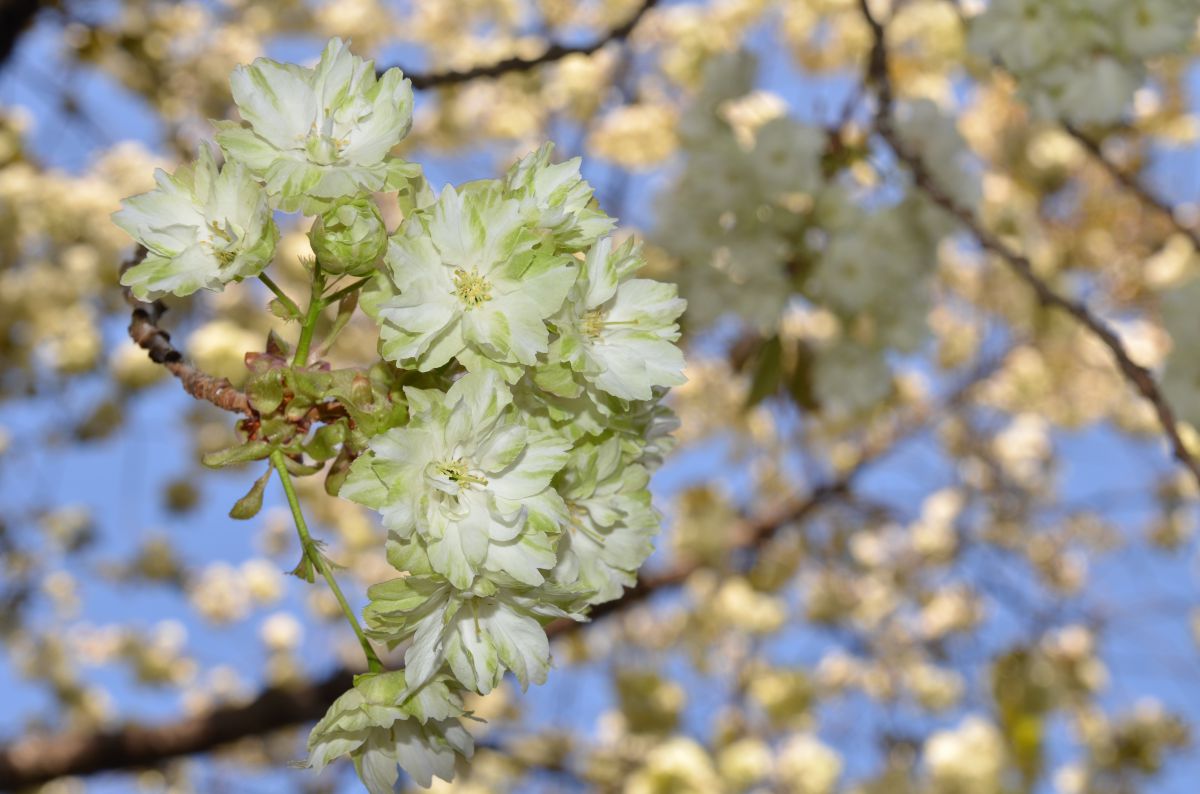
120, 480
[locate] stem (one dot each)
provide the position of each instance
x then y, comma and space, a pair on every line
344, 291
314, 556
315, 305
287, 302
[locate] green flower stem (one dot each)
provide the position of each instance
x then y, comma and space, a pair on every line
315, 305
344, 291
287, 302
314, 556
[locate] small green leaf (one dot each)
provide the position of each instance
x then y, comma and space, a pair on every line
277, 345
324, 443
248, 506
281, 310
313, 383
252, 450
338, 471
297, 408
265, 392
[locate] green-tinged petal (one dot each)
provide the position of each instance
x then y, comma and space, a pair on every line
316, 135
201, 229
520, 642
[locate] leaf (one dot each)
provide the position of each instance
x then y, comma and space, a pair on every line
313, 383
265, 392
768, 372
244, 453
800, 379
338, 471
281, 311
277, 345
248, 506
324, 443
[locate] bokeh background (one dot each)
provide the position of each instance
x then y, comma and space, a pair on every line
917, 538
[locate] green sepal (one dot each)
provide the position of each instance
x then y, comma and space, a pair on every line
312, 383
338, 471
281, 310
300, 468
278, 430
305, 569
243, 453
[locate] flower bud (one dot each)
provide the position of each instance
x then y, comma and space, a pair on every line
349, 237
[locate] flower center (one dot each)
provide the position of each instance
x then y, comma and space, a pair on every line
593, 323
471, 288
320, 144
457, 472
221, 242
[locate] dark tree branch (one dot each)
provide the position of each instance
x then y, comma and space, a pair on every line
1138, 376
146, 333
37, 760
15, 18
144, 328
554, 52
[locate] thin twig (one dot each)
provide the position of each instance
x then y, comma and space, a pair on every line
1137, 375
554, 52
38, 759
1130, 182
146, 333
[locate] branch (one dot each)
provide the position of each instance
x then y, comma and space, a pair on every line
554, 52
1138, 376
36, 760
18, 15
146, 333
1134, 185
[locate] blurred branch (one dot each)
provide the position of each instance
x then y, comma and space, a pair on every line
1138, 376
1130, 182
146, 333
554, 52
17, 16
36, 760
